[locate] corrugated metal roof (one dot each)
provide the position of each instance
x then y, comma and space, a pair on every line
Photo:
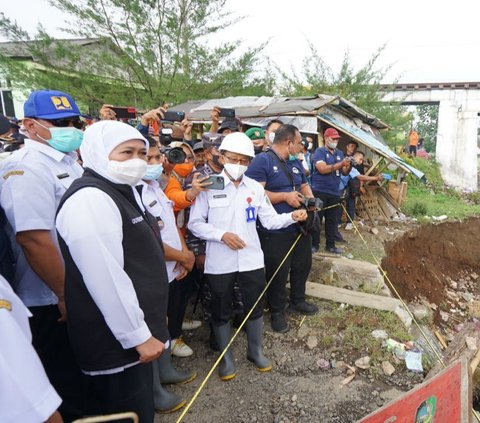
256, 107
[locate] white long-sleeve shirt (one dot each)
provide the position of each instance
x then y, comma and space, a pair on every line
91, 225
218, 211
158, 204
26, 394
32, 183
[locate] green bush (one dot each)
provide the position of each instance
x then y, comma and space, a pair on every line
419, 209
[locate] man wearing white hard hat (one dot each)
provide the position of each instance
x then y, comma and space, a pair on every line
226, 219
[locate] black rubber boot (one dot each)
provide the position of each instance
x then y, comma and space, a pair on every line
164, 401
171, 375
212, 341
226, 369
254, 350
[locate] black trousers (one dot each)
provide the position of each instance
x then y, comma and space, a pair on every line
275, 246
50, 340
330, 215
251, 285
130, 390
178, 294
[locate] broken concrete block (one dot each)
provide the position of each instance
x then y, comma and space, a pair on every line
363, 362
312, 342
388, 368
346, 273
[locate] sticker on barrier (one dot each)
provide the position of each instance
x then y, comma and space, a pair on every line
445, 397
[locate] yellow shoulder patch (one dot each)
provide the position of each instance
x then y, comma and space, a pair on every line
6, 304
13, 173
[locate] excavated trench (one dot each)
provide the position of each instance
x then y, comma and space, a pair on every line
423, 262
439, 265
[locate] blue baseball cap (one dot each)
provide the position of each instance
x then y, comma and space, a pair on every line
49, 104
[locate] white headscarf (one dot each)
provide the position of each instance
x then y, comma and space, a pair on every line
100, 139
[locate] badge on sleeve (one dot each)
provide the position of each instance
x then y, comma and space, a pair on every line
250, 210
7, 305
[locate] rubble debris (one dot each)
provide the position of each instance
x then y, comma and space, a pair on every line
363, 362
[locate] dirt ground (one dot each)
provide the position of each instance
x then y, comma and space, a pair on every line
422, 265
297, 390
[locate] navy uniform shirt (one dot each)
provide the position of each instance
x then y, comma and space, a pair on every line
328, 183
266, 168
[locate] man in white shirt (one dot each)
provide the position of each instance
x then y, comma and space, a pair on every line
33, 180
26, 394
226, 219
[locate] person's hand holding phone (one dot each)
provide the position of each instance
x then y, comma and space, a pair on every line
199, 182
106, 113
215, 115
187, 129
155, 115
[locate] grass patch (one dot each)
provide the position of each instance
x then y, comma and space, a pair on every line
434, 198
360, 252
423, 202
349, 330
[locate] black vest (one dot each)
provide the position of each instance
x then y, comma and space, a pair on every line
93, 343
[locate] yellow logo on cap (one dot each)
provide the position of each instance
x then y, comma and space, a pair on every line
6, 305
61, 103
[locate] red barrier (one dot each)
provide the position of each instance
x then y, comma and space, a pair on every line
445, 398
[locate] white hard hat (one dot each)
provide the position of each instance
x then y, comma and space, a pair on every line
239, 143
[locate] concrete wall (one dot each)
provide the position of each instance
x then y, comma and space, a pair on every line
457, 148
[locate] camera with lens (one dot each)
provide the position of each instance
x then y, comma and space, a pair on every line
351, 160
166, 136
175, 155
310, 203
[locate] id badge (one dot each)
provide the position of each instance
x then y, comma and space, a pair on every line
250, 214
250, 210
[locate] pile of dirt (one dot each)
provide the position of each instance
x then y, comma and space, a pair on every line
420, 263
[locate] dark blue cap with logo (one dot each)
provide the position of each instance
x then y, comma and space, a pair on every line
49, 104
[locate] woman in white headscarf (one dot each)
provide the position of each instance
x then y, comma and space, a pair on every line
116, 285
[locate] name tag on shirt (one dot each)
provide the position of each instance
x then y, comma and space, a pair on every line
220, 196
63, 175
152, 203
250, 210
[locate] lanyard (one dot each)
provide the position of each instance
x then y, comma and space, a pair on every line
285, 169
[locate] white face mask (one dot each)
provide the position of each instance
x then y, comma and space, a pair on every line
128, 172
310, 145
236, 171
271, 136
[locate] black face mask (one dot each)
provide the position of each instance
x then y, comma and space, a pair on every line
216, 161
258, 150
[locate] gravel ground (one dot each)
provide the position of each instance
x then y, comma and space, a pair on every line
297, 390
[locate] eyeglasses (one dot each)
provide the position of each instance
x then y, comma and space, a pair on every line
243, 162
63, 123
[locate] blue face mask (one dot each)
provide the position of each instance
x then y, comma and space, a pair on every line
153, 172
292, 158
65, 140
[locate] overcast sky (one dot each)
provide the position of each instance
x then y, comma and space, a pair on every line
427, 41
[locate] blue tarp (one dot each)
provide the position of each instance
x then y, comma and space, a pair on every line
371, 142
